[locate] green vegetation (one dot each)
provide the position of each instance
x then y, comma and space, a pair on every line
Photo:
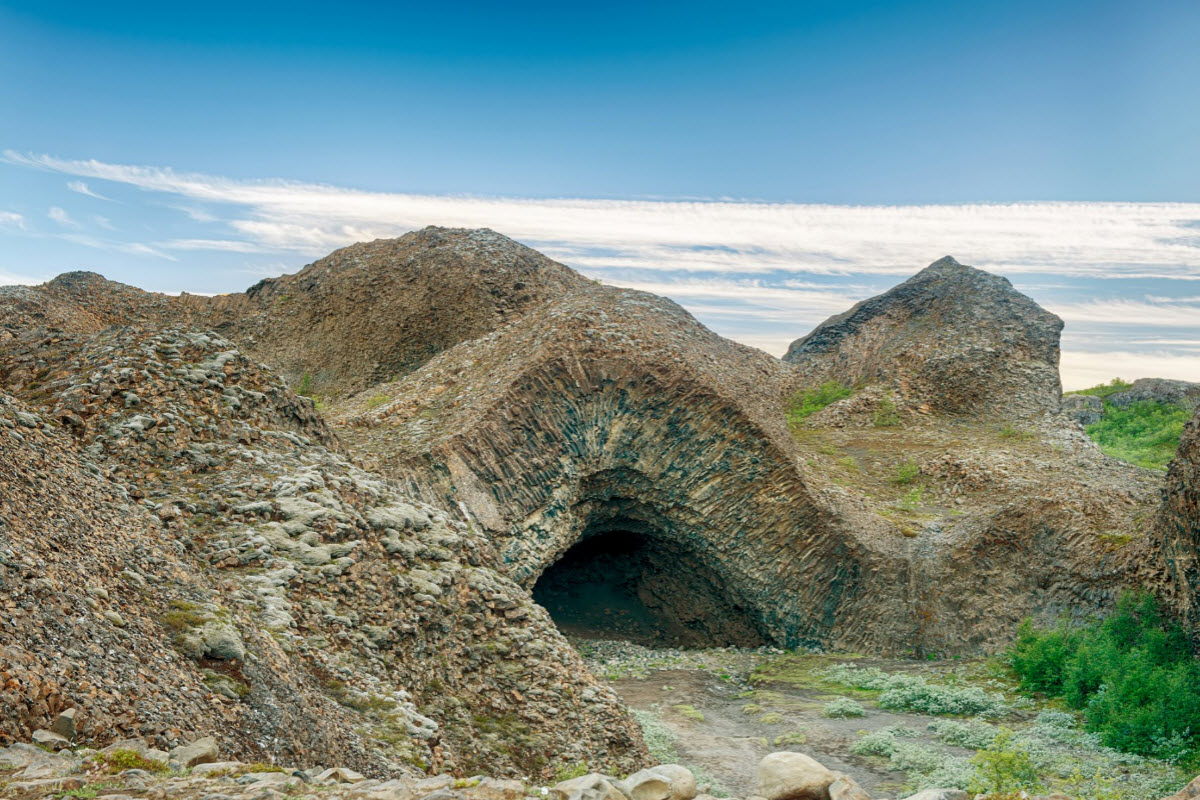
791, 738
1004, 768
1132, 675
689, 712
912, 500
771, 718
120, 760
886, 415
906, 473
1105, 390
377, 400
660, 741
913, 693
843, 707
1145, 433
564, 773
807, 402
305, 387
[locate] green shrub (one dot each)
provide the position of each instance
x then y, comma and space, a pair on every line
1004, 767
807, 402
843, 707
906, 473
1105, 389
1132, 675
886, 415
913, 693
1146, 433
567, 773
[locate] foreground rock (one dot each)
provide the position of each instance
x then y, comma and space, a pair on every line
184, 553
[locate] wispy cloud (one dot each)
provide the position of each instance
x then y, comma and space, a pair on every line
1083, 239
129, 248
11, 219
60, 216
82, 188
1130, 312
224, 245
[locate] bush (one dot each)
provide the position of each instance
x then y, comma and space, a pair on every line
906, 473
1004, 767
807, 402
1132, 675
886, 415
843, 707
120, 760
913, 693
1146, 433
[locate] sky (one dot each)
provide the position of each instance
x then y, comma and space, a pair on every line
764, 164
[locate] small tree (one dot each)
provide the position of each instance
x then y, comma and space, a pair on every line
1004, 768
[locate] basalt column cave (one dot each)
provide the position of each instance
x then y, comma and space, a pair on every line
622, 584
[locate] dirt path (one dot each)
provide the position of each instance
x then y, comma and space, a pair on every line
728, 742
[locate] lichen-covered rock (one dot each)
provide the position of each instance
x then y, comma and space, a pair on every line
954, 337
1175, 558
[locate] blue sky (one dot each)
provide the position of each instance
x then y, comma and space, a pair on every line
765, 164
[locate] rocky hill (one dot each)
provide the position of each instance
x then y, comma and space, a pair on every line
363, 314
956, 338
211, 565
1176, 545
353, 586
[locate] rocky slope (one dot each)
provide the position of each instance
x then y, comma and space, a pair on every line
366, 313
956, 338
929, 511
211, 564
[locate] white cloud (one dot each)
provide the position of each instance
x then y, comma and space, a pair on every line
1130, 312
1081, 370
1080, 239
130, 248
223, 245
11, 219
61, 216
13, 278
103, 222
82, 188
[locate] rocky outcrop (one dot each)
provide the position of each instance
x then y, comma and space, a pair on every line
1158, 390
952, 337
363, 314
1176, 554
240, 575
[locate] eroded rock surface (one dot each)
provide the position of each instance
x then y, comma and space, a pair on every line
954, 337
182, 550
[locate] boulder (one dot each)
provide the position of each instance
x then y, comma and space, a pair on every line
793, 776
940, 794
201, 751
664, 782
1192, 790
64, 725
212, 767
51, 740
340, 775
588, 787
846, 788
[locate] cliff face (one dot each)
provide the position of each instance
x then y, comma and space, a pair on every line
958, 339
1177, 539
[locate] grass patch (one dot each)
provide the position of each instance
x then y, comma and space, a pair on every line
806, 402
791, 738
660, 740
689, 712
1105, 390
906, 473
375, 401
1132, 675
121, 759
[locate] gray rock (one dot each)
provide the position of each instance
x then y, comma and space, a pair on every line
793, 776
1159, 390
940, 794
64, 725
846, 788
588, 787
51, 740
1085, 409
201, 751
339, 775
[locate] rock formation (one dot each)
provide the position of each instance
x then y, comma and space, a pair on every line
183, 552
954, 337
1176, 554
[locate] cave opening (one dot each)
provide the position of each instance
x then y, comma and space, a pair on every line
623, 584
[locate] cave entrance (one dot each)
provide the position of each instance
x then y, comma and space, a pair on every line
626, 585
